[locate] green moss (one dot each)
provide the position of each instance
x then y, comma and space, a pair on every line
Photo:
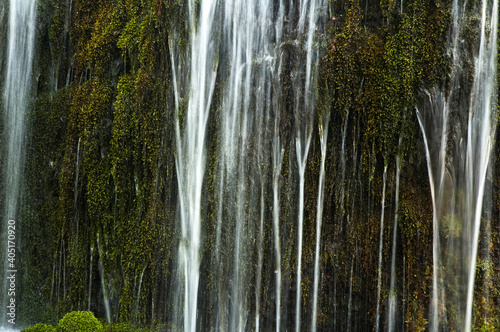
124, 327
79, 321
40, 327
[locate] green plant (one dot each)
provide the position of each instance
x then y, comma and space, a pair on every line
40, 327
79, 321
124, 327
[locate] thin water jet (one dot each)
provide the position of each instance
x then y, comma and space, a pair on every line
323, 130
17, 95
392, 287
379, 273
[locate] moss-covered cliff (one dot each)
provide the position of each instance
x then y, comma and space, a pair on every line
99, 214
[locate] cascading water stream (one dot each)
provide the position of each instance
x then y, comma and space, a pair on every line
323, 132
75, 199
245, 114
349, 303
277, 162
90, 276
251, 101
277, 158
392, 287
458, 175
301, 160
482, 124
260, 262
190, 140
436, 156
343, 170
104, 285
379, 273
304, 115
16, 99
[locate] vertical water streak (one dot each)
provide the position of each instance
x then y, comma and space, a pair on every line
138, 301
304, 115
240, 94
392, 291
104, 286
277, 157
260, 253
433, 120
301, 160
245, 115
90, 276
16, 99
200, 74
278, 152
431, 125
343, 171
458, 175
323, 132
349, 303
379, 273
75, 200
403, 310
482, 119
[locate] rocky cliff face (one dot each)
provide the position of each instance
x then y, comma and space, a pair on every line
101, 213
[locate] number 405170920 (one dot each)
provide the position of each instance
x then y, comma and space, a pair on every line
11, 244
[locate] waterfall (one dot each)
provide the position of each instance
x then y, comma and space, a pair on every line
392, 290
245, 115
482, 124
343, 171
277, 162
379, 273
75, 200
260, 262
90, 276
104, 284
323, 132
248, 116
349, 303
304, 115
277, 157
16, 100
190, 133
301, 160
457, 175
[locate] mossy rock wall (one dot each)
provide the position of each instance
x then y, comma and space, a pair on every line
100, 208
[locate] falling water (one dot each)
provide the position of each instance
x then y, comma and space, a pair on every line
304, 114
190, 141
75, 200
392, 291
343, 170
245, 114
436, 166
457, 175
277, 157
16, 99
323, 136
277, 162
252, 46
260, 252
379, 274
349, 303
403, 295
138, 301
482, 124
301, 160
90, 276
104, 285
